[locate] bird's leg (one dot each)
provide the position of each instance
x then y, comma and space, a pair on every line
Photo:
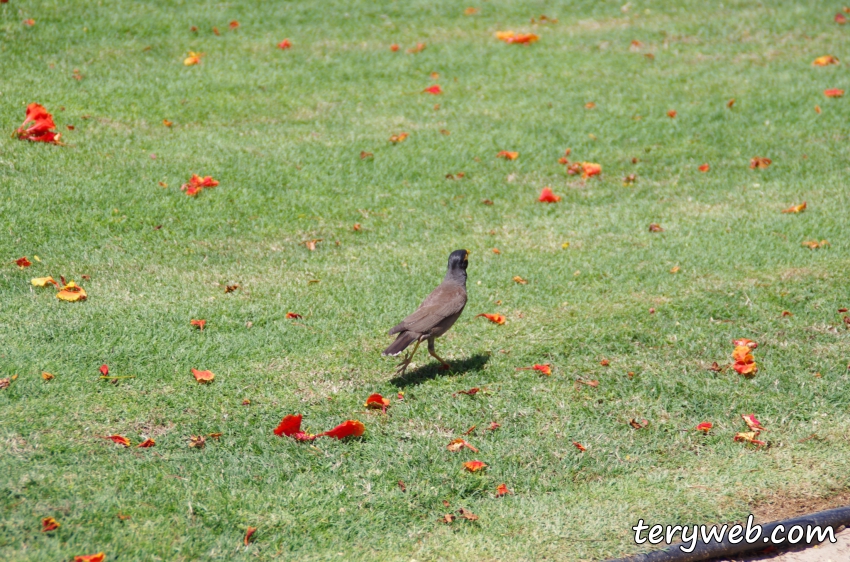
433, 353
402, 367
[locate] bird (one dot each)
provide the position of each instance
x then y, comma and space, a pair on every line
437, 313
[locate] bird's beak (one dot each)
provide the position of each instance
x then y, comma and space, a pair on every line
466, 257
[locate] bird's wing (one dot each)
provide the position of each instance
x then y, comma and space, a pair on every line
443, 302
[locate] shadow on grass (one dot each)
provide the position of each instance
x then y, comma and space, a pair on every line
433, 370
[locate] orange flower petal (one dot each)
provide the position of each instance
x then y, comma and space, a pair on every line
49, 524
289, 426
507, 155
203, 377
495, 318
234, 24
705, 427
72, 293
502, 490
292, 316
655, 228
704, 168
285, 44
672, 114
99, 557
579, 446
435, 89
760, 162
458, 444
749, 437
833, 93
248, 534
474, 466
348, 428
198, 323
193, 59
147, 443
23, 262
395, 139
825, 60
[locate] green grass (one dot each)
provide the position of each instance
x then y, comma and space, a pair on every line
282, 131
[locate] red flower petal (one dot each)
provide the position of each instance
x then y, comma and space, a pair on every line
119, 439
546, 196
289, 426
146, 444
348, 428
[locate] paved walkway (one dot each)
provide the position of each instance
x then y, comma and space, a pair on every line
824, 552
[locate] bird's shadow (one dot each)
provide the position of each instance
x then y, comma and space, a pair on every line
433, 370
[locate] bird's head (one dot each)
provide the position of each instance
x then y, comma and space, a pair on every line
458, 262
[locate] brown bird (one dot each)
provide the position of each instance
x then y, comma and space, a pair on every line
435, 315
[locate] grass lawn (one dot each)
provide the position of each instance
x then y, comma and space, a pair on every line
282, 131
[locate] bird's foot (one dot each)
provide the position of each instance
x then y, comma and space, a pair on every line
402, 367
445, 367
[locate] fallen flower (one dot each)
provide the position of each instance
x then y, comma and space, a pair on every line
744, 341
588, 170
47, 376
234, 24
72, 293
833, 93
825, 60
394, 48
290, 426
49, 524
230, 289
29, 22
104, 370
197, 183
704, 168
198, 324
752, 422
377, 402
705, 427
348, 428
814, 244
518, 38
796, 208
546, 368
502, 490
470, 392
672, 114
147, 443
197, 442
395, 139
193, 59
203, 377
655, 228
749, 437
638, 424
448, 518
474, 466
23, 262
468, 515
520, 280
507, 155
458, 444
759, 162
493, 426
40, 130
293, 316
546, 196
435, 89
285, 44
579, 446
99, 557
495, 318
119, 439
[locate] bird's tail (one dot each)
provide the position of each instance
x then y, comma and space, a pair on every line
401, 342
